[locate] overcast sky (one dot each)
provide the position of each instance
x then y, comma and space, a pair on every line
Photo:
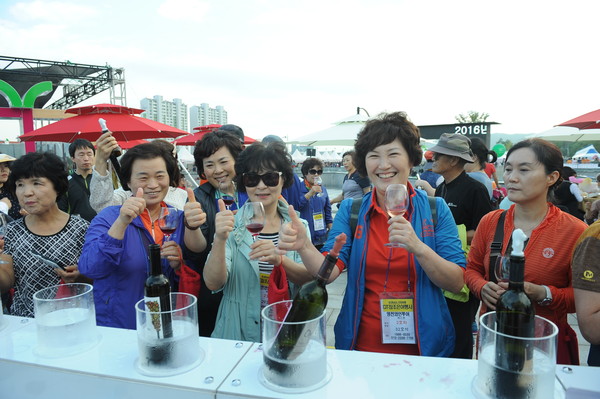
295, 67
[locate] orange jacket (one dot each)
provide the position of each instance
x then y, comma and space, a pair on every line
547, 258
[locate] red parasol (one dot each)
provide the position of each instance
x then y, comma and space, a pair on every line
125, 145
591, 120
201, 131
122, 122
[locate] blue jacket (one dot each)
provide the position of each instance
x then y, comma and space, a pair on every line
435, 331
120, 267
313, 205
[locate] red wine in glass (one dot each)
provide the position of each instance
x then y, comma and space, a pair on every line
228, 200
167, 231
254, 228
168, 221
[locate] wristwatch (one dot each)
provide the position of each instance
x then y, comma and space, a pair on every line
548, 299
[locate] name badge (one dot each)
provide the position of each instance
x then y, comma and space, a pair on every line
397, 318
319, 221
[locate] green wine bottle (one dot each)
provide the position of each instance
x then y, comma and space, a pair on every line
515, 317
308, 303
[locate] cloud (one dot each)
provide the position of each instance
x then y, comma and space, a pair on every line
183, 10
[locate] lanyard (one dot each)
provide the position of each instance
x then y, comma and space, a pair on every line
387, 273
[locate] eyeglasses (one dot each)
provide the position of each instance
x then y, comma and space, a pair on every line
270, 179
316, 172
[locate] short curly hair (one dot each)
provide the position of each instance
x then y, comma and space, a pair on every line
211, 143
260, 157
37, 164
310, 163
384, 129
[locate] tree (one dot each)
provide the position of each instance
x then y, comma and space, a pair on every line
506, 143
472, 117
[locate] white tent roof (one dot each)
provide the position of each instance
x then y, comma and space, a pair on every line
184, 155
298, 157
590, 149
343, 132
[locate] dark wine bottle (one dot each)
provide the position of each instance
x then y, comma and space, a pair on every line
308, 303
515, 317
157, 295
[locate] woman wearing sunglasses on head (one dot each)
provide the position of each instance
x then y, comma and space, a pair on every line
239, 265
313, 204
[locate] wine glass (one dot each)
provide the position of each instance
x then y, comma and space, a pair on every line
254, 218
168, 221
396, 203
3, 223
501, 268
319, 182
227, 199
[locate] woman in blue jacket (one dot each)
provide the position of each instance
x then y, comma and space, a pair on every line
313, 204
116, 244
393, 301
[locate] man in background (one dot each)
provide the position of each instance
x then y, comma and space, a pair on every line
77, 199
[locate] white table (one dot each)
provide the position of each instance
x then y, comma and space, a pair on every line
230, 369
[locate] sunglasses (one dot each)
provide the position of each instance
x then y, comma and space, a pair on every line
270, 179
316, 172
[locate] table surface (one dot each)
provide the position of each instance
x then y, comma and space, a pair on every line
230, 369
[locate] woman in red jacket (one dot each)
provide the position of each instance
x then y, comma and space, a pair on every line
531, 173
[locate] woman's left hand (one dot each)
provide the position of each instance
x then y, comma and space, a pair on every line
402, 232
194, 215
172, 252
265, 251
70, 274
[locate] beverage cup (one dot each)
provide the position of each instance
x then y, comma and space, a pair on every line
537, 379
302, 369
161, 356
65, 317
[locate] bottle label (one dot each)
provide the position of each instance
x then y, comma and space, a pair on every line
264, 289
397, 317
153, 305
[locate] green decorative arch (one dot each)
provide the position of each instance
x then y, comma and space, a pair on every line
11, 95
39, 89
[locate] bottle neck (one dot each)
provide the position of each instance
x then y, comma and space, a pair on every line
155, 261
326, 269
516, 273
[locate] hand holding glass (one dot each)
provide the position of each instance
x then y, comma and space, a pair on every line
396, 203
501, 268
319, 182
168, 221
254, 218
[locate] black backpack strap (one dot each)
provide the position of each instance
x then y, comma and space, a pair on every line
496, 247
433, 207
356, 203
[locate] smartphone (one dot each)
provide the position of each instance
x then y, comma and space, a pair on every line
47, 261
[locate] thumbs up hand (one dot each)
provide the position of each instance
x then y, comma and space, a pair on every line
292, 236
132, 207
224, 220
194, 215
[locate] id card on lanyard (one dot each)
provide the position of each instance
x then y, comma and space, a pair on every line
397, 313
319, 221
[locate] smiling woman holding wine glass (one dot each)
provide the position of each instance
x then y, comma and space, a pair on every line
238, 264
393, 301
115, 252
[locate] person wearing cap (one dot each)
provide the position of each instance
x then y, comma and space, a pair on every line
7, 198
235, 130
469, 201
429, 175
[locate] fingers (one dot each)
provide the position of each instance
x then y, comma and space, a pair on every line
139, 193
191, 196
222, 206
293, 215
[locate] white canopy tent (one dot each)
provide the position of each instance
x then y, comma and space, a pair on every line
343, 132
590, 153
298, 157
565, 133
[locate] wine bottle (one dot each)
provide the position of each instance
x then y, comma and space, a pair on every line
515, 317
113, 155
157, 295
308, 303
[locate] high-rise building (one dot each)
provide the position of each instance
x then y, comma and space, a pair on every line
173, 113
204, 115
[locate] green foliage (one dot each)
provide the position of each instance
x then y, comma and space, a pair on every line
506, 143
472, 117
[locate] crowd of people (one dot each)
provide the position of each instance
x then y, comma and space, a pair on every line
438, 257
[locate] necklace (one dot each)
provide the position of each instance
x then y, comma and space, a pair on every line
530, 227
